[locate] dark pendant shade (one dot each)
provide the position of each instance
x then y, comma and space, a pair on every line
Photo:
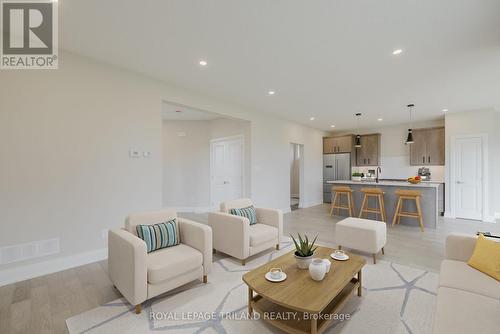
409, 139
358, 141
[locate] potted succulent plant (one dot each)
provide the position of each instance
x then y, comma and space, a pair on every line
304, 251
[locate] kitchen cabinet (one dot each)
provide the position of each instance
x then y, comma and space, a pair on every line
369, 152
428, 147
341, 144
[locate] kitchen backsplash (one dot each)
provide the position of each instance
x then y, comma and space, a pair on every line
399, 168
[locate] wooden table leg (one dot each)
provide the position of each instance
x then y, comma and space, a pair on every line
250, 300
360, 288
314, 325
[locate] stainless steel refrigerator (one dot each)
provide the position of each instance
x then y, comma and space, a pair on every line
335, 167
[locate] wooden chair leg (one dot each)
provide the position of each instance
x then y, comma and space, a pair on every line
419, 210
349, 204
374, 258
381, 207
362, 207
353, 205
396, 212
333, 203
138, 309
384, 211
205, 279
400, 209
383, 253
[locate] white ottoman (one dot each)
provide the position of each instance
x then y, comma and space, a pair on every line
361, 234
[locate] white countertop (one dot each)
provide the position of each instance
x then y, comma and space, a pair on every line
423, 184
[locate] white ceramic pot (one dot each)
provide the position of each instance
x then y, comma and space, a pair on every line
317, 269
356, 178
303, 262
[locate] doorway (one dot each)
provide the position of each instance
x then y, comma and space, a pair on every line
296, 175
468, 186
226, 170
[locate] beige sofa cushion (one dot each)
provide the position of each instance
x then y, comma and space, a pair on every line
459, 275
261, 233
170, 262
459, 311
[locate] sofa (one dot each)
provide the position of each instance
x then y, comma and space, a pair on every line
233, 235
139, 275
468, 301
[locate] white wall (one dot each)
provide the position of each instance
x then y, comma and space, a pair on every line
64, 141
186, 160
395, 155
478, 122
186, 165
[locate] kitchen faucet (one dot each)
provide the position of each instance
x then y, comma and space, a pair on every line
379, 170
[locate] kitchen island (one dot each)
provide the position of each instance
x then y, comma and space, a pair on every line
429, 200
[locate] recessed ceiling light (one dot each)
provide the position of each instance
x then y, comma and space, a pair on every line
445, 110
380, 119
397, 52
332, 126
312, 119
203, 63
271, 92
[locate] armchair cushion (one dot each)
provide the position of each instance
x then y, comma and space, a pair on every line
235, 204
148, 218
261, 233
248, 212
160, 235
170, 262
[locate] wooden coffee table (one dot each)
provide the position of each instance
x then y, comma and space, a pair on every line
311, 304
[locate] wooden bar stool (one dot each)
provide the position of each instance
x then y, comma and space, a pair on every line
378, 194
339, 191
413, 195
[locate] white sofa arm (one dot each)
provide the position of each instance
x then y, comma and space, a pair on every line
271, 217
231, 234
127, 265
459, 247
198, 236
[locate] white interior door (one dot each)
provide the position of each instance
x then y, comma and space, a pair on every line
469, 178
226, 170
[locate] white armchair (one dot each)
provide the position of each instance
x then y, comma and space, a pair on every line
235, 236
139, 275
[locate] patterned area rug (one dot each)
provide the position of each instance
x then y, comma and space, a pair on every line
396, 299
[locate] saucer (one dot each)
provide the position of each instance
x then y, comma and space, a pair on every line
281, 279
339, 258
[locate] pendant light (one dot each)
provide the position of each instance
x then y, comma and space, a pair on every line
358, 137
409, 139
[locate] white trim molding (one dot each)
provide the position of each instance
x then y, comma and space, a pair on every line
21, 273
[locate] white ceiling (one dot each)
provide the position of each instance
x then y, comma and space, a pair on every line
172, 112
324, 58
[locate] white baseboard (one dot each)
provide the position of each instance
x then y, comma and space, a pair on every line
497, 215
28, 271
286, 210
310, 204
193, 209
489, 219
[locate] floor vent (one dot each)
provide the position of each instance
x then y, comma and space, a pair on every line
31, 250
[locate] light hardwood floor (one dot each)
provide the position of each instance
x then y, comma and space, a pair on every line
41, 305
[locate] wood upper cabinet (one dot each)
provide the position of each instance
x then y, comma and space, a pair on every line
428, 147
341, 144
369, 152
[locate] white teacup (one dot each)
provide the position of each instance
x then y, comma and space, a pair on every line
340, 254
275, 273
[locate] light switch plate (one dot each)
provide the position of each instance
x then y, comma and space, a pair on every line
134, 154
146, 154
